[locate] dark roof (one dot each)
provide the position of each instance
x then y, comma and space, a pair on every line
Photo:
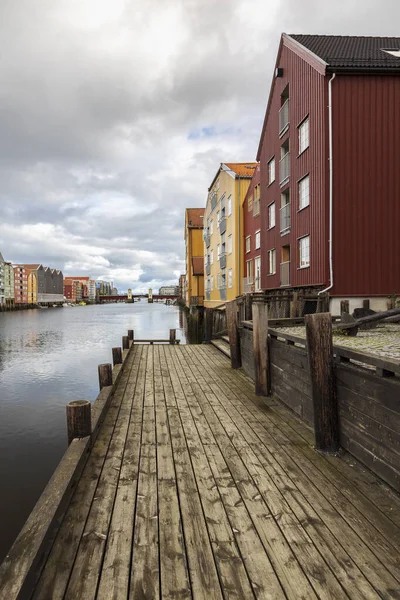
195, 217
198, 265
353, 52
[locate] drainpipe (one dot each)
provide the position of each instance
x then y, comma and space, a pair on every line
330, 185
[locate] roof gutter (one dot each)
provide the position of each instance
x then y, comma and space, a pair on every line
330, 286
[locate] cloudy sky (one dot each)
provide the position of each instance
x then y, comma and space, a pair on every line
115, 115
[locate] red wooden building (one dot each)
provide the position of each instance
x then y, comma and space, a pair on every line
330, 178
251, 220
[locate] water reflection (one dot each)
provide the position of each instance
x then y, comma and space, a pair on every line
48, 358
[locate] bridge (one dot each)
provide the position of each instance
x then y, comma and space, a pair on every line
124, 298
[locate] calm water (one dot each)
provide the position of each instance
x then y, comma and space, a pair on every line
48, 358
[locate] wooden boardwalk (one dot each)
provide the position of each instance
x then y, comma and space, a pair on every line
196, 488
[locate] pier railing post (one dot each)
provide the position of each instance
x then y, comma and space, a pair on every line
117, 356
131, 334
125, 342
260, 346
79, 419
105, 375
172, 336
320, 358
231, 310
208, 324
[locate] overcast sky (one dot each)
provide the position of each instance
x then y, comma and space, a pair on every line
115, 115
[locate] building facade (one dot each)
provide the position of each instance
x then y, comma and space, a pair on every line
329, 178
168, 290
223, 233
2, 279
194, 257
8, 284
252, 235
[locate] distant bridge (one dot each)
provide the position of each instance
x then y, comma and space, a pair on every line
124, 298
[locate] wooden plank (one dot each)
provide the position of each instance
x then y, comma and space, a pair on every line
293, 355
291, 396
386, 439
260, 346
233, 333
320, 357
364, 383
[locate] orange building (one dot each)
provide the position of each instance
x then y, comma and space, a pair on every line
194, 257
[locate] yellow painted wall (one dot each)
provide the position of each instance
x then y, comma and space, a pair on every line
194, 247
32, 288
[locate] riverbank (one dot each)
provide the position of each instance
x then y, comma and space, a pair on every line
13, 307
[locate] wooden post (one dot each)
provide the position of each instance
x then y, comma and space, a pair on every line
117, 356
320, 358
233, 333
294, 305
248, 314
344, 306
79, 419
125, 342
366, 304
260, 345
105, 375
131, 334
208, 324
172, 336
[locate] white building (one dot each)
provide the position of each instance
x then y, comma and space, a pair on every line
169, 290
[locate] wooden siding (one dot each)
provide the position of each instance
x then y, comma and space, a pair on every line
307, 96
366, 208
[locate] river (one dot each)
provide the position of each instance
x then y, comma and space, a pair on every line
49, 357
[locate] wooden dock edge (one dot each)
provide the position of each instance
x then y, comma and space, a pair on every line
23, 563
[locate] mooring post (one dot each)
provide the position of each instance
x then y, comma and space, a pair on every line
172, 336
208, 324
320, 359
260, 346
117, 356
79, 419
294, 305
131, 334
105, 375
125, 342
231, 311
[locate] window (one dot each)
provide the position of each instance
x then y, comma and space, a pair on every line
250, 203
211, 228
257, 240
218, 219
229, 206
303, 135
212, 282
218, 251
248, 244
271, 171
230, 278
249, 264
271, 215
257, 271
256, 204
230, 244
272, 262
211, 257
304, 192
304, 250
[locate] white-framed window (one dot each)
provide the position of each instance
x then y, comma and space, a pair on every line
211, 257
230, 278
218, 219
230, 244
257, 240
249, 268
272, 261
229, 206
304, 192
271, 215
256, 207
304, 136
304, 251
257, 273
248, 244
271, 171
212, 282
218, 251
211, 227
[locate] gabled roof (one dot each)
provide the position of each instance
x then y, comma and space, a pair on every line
350, 52
31, 267
195, 217
198, 265
242, 169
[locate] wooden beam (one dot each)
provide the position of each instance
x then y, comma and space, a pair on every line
172, 336
233, 333
260, 345
320, 358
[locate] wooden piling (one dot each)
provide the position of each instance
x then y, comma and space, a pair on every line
344, 306
320, 358
125, 342
117, 356
172, 336
131, 334
294, 305
260, 346
105, 375
208, 324
231, 311
79, 419
248, 312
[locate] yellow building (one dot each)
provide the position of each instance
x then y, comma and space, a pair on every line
194, 257
223, 252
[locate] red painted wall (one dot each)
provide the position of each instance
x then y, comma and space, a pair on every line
251, 223
366, 167
307, 96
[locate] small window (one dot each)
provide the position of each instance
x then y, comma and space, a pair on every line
229, 206
257, 240
211, 227
271, 215
230, 278
303, 135
256, 204
212, 282
218, 251
230, 244
272, 262
304, 251
218, 219
211, 257
248, 244
271, 171
250, 203
304, 192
